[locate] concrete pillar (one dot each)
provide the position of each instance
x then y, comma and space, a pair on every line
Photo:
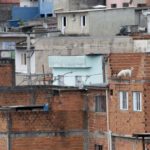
148, 23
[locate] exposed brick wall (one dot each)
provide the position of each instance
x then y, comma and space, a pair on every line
67, 114
9, 1
139, 61
9, 97
101, 140
148, 2
128, 121
68, 101
47, 121
97, 120
126, 144
120, 61
125, 121
3, 144
48, 143
7, 77
3, 122
146, 105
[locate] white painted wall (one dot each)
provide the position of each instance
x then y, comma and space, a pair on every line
23, 68
142, 45
73, 23
28, 3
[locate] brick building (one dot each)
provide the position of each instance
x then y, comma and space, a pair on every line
129, 101
5, 11
78, 119
73, 121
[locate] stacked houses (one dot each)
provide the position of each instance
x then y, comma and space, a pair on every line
84, 86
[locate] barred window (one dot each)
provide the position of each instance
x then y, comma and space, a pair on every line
123, 96
137, 101
100, 103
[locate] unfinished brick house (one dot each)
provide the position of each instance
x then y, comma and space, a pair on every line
71, 121
92, 118
129, 101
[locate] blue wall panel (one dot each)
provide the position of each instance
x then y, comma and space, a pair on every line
25, 13
46, 7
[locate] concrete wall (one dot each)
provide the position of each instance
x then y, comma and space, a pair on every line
73, 24
119, 3
27, 3
82, 4
108, 22
148, 2
142, 45
61, 5
22, 68
76, 46
76, 4
98, 22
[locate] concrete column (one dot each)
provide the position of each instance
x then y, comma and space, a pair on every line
148, 23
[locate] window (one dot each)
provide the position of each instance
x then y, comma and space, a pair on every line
64, 21
111, 92
61, 80
83, 21
100, 103
137, 101
64, 24
8, 45
23, 59
113, 5
98, 147
123, 96
78, 80
141, 5
125, 4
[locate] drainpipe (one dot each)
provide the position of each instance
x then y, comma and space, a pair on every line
109, 133
86, 132
8, 131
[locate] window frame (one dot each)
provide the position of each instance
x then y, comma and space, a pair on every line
114, 5
61, 80
78, 80
121, 100
99, 105
83, 21
98, 147
135, 103
23, 58
125, 5
64, 21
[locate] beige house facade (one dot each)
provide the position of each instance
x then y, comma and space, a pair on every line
96, 22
